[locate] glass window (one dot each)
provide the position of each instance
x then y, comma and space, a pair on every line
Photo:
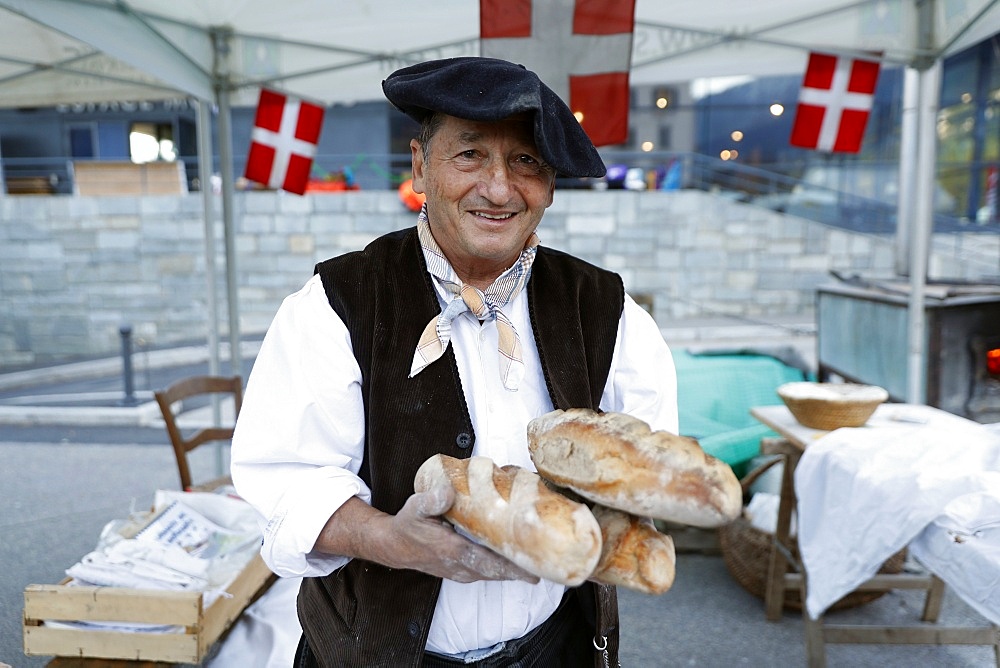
665, 138
152, 141
81, 141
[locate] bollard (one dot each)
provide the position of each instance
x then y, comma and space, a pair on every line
126, 333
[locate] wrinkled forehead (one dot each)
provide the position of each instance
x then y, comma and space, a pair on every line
516, 130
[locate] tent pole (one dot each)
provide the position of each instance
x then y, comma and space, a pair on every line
908, 144
928, 92
923, 227
220, 41
205, 179
226, 169
207, 197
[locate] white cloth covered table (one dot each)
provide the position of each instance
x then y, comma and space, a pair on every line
266, 634
913, 476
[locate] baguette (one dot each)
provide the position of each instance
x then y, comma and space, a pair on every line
634, 554
511, 511
616, 460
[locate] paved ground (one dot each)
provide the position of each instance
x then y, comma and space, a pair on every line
69, 470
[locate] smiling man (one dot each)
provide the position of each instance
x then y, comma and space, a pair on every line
448, 337
487, 187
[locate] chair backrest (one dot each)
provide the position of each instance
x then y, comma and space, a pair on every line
189, 388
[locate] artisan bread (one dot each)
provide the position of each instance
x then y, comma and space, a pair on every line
634, 554
511, 511
616, 460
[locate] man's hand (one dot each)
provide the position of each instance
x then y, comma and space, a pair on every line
427, 543
416, 538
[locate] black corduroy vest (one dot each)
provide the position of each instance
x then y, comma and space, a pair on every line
365, 614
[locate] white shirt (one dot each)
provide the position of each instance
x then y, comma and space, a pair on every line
299, 442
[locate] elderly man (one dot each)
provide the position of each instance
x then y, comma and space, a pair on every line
443, 338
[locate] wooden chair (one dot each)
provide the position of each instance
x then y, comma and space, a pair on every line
190, 388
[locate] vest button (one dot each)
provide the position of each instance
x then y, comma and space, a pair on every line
464, 440
414, 629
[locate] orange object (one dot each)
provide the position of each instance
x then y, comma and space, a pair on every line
316, 186
412, 200
993, 361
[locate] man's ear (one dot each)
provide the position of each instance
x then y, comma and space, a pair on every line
417, 163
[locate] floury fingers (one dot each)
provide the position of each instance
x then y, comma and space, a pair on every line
511, 511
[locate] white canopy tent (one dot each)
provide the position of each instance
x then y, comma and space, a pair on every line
66, 51
54, 51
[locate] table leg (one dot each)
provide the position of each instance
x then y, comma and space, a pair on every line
935, 596
815, 643
778, 567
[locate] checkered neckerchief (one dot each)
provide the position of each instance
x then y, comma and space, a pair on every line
484, 305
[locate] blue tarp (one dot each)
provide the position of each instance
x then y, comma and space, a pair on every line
715, 392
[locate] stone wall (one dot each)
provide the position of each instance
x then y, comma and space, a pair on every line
74, 269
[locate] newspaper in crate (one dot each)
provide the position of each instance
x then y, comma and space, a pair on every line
179, 548
183, 526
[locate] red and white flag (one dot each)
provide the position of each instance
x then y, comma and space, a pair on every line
283, 141
834, 103
581, 49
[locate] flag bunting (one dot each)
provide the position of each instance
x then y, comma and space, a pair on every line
581, 49
283, 141
835, 103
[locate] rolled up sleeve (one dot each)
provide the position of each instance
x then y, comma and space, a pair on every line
299, 440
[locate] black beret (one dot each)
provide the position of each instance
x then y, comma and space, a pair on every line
489, 89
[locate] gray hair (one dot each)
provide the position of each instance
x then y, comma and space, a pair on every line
428, 128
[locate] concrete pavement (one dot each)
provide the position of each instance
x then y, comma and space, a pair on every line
65, 475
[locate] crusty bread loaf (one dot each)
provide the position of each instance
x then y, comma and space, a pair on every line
511, 511
634, 554
617, 461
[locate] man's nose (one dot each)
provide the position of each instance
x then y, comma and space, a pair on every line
496, 182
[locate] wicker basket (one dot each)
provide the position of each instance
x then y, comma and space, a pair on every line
746, 551
830, 406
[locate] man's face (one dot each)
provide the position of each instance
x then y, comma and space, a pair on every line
486, 188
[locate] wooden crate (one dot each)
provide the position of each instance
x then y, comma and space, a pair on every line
106, 177
29, 185
202, 627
